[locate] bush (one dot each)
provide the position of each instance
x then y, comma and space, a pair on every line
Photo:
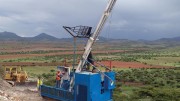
50, 82
121, 97
158, 94
164, 85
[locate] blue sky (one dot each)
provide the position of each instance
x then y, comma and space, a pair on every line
131, 19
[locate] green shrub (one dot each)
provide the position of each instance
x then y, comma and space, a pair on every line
50, 82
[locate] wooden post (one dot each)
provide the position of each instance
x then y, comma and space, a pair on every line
65, 62
110, 64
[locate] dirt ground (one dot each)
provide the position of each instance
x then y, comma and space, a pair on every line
121, 64
19, 93
116, 64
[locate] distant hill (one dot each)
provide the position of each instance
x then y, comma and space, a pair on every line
43, 37
175, 39
9, 36
168, 42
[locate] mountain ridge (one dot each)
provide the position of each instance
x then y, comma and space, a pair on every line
10, 36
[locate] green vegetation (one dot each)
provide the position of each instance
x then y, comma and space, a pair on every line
154, 77
34, 52
39, 70
47, 73
131, 84
157, 94
49, 78
156, 85
163, 57
56, 58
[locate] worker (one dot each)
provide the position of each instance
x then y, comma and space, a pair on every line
58, 79
89, 59
39, 83
89, 32
94, 70
65, 79
107, 70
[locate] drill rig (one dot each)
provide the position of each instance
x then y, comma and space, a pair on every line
85, 85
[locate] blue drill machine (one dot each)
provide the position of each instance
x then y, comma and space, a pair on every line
84, 85
88, 86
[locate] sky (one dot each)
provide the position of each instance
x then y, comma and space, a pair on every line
130, 19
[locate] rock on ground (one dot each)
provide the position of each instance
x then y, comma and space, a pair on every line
21, 93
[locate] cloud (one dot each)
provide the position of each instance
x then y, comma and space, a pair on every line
147, 19
132, 19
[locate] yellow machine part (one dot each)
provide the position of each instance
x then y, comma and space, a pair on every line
7, 73
15, 74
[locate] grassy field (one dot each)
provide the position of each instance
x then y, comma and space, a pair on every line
164, 61
155, 84
38, 70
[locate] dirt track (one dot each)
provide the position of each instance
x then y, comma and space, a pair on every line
120, 64
115, 64
23, 93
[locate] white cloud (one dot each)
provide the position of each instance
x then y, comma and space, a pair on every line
31, 17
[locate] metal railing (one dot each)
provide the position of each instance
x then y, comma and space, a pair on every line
56, 93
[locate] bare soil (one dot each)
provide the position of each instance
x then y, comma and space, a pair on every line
19, 93
114, 64
120, 64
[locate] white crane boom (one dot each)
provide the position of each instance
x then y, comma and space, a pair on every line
94, 36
